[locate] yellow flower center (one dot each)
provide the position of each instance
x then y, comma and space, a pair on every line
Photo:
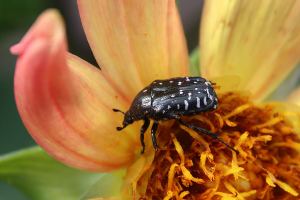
195, 166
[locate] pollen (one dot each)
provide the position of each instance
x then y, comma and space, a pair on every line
192, 165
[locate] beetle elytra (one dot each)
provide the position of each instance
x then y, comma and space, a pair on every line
170, 99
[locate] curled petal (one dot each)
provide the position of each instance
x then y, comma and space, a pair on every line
66, 104
256, 40
135, 42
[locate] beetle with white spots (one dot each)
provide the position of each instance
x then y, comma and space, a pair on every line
170, 99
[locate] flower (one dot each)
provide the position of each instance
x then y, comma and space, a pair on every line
66, 104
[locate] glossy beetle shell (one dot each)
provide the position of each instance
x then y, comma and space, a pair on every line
163, 99
170, 99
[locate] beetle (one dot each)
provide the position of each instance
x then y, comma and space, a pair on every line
170, 99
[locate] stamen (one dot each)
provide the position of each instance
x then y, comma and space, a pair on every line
183, 194
271, 122
238, 110
230, 123
203, 166
171, 176
220, 120
169, 195
186, 173
267, 131
178, 149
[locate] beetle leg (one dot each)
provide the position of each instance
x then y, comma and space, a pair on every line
153, 131
143, 130
196, 128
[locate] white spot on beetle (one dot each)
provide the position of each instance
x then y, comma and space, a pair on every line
173, 95
204, 101
187, 79
199, 92
195, 82
215, 106
216, 99
198, 79
186, 105
145, 90
178, 106
198, 102
160, 83
180, 92
154, 82
145, 101
179, 83
196, 88
190, 96
169, 106
208, 94
171, 81
207, 83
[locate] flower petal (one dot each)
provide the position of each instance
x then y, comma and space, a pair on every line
256, 40
66, 103
294, 97
135, 42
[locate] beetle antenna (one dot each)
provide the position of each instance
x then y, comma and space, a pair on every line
213, 83
119, 128
116, 110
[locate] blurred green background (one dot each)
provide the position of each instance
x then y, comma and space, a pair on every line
16, 17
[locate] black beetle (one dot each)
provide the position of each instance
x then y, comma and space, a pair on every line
170, 99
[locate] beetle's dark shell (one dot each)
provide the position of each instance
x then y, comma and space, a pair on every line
141, 104
184, 96
170, 99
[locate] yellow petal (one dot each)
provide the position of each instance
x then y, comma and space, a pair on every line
256, 40
294, 97
135, 42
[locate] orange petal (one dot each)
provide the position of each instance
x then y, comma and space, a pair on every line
258, 41
135, 42
66, 104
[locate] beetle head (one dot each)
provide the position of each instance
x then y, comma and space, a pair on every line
127, 119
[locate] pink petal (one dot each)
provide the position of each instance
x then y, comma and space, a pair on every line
66, 104
135, 42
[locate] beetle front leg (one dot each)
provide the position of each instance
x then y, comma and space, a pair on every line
143, 130
153, 131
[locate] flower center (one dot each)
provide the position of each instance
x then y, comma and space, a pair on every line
195, 166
